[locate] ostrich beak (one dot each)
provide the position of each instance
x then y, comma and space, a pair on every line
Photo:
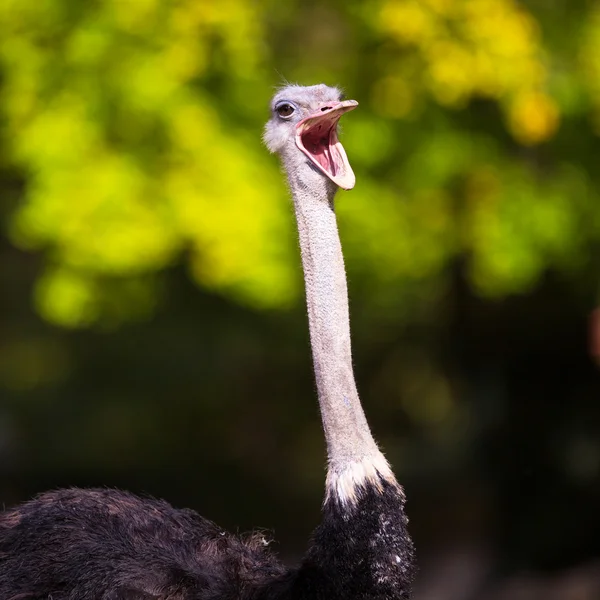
316, 136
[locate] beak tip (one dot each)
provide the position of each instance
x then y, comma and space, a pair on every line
348, 183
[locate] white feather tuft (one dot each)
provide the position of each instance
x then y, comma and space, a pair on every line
345, 484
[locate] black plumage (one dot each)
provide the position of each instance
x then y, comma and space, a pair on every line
99, 544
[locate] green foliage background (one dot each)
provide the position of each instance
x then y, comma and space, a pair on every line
135, 126
131, 164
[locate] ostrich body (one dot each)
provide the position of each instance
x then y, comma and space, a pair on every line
96, 544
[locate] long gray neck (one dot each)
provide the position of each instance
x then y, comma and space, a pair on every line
349, 440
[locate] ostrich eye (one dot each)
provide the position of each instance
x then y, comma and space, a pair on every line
285, 109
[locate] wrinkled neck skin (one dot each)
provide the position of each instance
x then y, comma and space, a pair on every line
361, 550
354, 461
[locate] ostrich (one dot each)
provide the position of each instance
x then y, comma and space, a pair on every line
99, 544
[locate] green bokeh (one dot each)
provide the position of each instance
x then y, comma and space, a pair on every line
136, 129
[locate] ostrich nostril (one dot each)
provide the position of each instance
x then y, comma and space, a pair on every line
325, 108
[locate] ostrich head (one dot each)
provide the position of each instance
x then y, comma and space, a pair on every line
303, 130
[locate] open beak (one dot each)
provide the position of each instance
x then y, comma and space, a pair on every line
316, 136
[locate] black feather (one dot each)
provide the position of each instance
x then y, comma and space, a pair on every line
100, 544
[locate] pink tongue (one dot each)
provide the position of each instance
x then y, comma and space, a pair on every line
322, 153
318, 145
329, 158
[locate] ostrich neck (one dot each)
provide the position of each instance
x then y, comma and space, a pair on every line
349, 440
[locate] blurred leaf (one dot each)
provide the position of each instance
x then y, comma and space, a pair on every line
137, 126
